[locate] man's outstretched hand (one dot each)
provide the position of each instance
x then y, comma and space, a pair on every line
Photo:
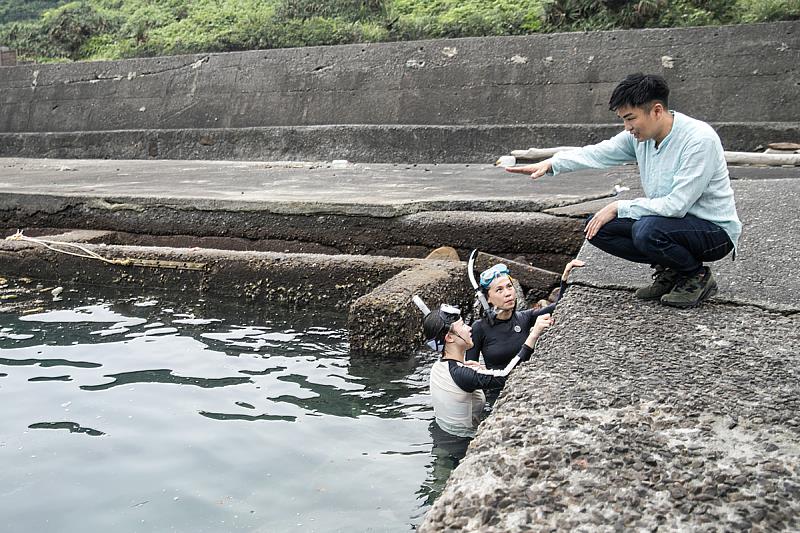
536, 170
600, 219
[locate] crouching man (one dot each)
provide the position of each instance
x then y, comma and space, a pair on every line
457, 386
688, 216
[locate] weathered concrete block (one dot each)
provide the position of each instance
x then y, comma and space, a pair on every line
385, 322
302, 280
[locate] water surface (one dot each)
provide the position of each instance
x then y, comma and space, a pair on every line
160, 414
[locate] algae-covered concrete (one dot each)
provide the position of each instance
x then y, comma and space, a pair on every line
635, 416
383, 322
298, 279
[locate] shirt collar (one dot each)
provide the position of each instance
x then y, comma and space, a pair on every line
666, 139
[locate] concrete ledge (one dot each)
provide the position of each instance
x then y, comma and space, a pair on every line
355, 142
298, 279
386, 322
304, 207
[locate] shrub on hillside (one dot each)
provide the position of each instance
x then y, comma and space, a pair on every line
113, 29
350, 10
425, 19
769, 10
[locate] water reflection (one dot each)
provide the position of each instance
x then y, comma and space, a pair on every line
259, 408
73, 427
448, 450
163, 376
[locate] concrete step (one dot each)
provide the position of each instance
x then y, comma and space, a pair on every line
389, 143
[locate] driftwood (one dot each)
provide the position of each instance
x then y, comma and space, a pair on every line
751, 158
774, 151
784, 146
540, 154
733, 158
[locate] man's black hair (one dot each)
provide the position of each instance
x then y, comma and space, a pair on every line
640, 90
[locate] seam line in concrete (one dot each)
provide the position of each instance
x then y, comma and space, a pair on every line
721, 300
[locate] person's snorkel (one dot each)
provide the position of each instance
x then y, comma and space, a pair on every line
437, 324
480, 294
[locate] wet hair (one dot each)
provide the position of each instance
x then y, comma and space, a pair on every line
640, 90
438, 322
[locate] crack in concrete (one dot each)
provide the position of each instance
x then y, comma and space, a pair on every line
118, 77
720, 300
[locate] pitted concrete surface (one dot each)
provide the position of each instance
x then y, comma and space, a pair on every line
292, 188
636, 416
631, 417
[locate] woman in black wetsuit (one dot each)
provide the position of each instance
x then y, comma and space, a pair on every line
500, 342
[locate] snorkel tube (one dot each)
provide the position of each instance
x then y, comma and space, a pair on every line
487, 310
421, 305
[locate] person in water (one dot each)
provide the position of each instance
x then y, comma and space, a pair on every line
498, 340
456, 385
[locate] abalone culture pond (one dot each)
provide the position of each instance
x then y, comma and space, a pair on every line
163, 412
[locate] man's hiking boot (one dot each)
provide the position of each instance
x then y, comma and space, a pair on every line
663, 281
692, 291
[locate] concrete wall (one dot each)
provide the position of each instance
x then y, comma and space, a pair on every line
739, 74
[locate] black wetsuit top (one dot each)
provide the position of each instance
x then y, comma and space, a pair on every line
457, 392
501, 342
468, 379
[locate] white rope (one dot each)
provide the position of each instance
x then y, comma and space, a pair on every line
51, 245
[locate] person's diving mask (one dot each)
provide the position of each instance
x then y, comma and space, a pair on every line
490, 274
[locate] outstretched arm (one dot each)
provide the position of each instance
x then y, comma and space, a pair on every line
611, 152
542, 323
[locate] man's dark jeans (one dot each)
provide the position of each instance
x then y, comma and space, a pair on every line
682, 244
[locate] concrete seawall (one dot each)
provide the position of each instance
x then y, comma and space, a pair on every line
461, 100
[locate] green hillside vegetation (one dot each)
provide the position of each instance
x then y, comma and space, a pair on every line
13, 10
53, 30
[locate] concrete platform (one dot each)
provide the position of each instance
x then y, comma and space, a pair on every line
383, 190
634, 416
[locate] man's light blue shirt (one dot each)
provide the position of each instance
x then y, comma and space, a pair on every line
686, 174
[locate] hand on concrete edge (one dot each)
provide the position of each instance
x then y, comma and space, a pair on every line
575, 263
542, 323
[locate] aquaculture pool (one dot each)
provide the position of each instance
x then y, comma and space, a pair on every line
162, 413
